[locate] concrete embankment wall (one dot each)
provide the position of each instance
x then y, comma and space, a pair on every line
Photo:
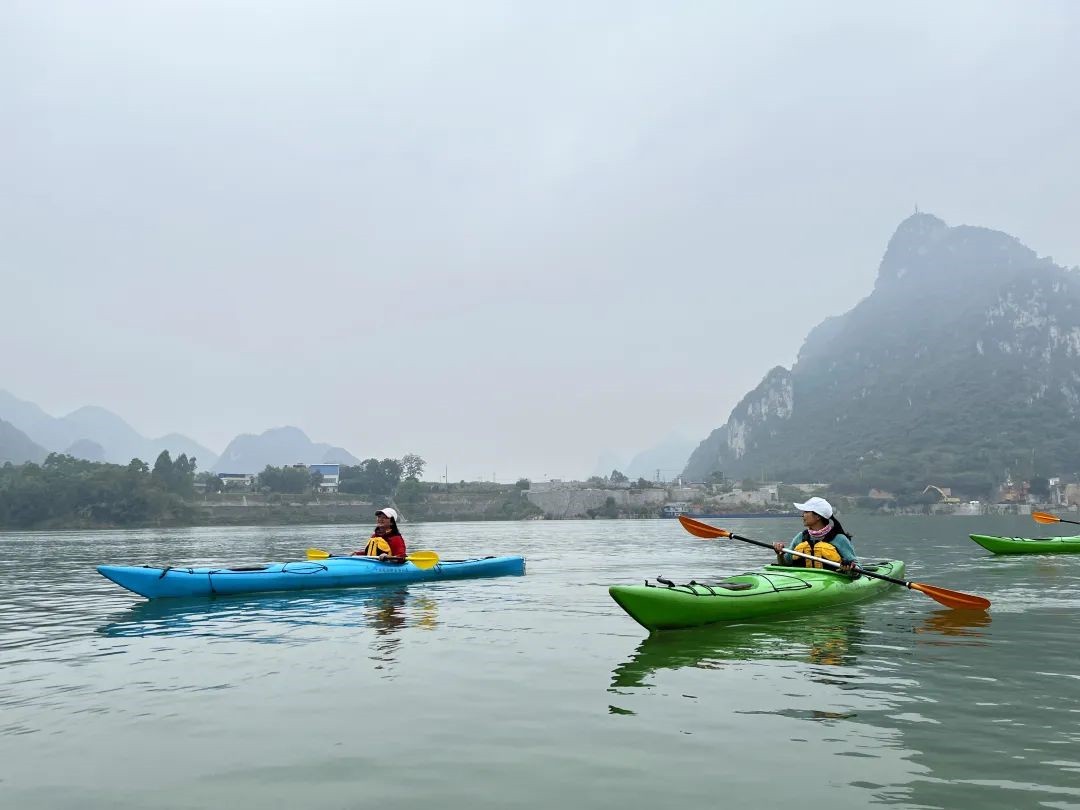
570, 503
262, 513
507, 503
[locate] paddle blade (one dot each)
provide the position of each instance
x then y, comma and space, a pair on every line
317, 554
1045, 517
704, 530
953, 599
423, 559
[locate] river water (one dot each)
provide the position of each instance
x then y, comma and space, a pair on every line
535, 691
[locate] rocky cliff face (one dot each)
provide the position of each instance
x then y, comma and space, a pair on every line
962, 363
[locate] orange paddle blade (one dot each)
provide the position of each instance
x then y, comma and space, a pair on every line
953, 599
699, 529
1045, 517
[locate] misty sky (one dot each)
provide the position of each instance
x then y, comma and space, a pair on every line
505, 236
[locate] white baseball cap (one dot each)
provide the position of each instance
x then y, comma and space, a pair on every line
819, 505
392, 513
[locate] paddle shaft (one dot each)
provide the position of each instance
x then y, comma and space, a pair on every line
421, 559
827, 563
953, 599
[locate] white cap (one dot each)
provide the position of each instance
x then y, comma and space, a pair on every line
392, 513
819, 505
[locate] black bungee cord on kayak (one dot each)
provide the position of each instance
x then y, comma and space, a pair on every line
311, 568
691, 587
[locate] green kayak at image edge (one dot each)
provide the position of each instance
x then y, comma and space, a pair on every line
775, 590
1028, 545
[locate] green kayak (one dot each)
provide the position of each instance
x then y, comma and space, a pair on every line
1026, 545
775, 590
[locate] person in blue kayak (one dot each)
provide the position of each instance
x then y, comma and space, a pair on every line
822, 536
386, 541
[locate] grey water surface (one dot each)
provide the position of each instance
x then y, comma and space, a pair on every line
535, 691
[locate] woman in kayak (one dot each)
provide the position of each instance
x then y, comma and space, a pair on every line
386, 543
823, 536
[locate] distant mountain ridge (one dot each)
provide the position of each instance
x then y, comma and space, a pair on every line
18, 448
278, 447
962, 364
99, 433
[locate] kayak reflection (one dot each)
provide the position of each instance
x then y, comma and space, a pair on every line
274, 618
831, 639
962, 624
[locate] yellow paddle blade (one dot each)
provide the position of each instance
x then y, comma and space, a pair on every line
423, 559
1045, 517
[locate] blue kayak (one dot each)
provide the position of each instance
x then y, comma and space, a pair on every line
335, 572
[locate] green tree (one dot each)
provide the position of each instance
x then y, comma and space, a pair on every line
210, 481
65, 491
409, 492
182, 480
412, 466
609, 510
372, 477
617, 477
163, 470
523, 483
285, 480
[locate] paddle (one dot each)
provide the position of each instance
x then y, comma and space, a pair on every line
1046, 517
421, 559
953, 599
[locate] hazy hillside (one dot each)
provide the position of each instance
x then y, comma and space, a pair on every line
668, 456
86, 449
119, 442
16, 447
963, 362
278, 447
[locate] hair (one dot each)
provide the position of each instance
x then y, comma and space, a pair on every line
839, 529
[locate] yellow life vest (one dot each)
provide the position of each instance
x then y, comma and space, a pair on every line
827, 551
376, 546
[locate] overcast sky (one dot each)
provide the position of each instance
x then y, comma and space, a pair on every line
505, 236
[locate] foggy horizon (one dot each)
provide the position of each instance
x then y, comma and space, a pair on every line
510, 239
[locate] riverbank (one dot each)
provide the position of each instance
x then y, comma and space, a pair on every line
502, 503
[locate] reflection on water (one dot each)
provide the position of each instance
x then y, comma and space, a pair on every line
387, 616
273, 618
955, 623
829, 639
111, 702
